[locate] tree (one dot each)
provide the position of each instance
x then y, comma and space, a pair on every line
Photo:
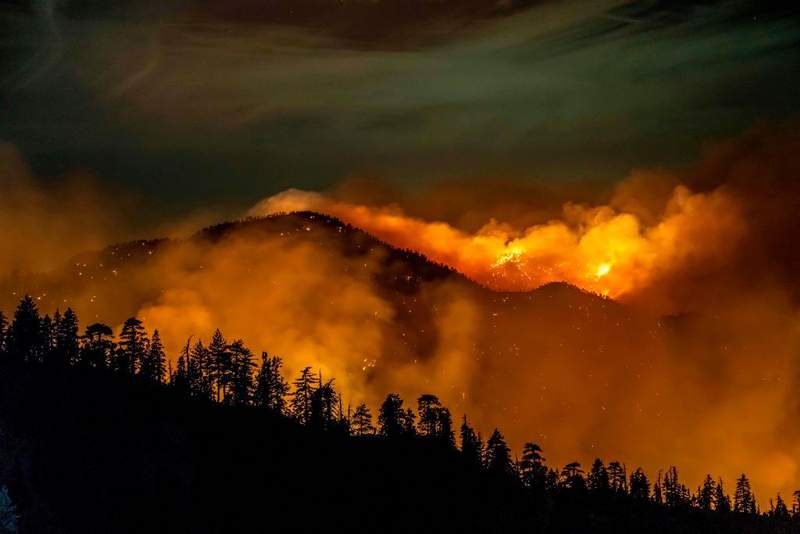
675, 494
532, 467
304, 387
199, 373
705, 493
780, 512
639, 486
220, 365
427, 407
658, 490
444, 427
392, 417
498, 456
796, 504
617, 477
743, 499
361, 421
722, 503
180, 378
66, 346
25, 342
97, 345
572, 476
598, 477
131, 347
409, 428
324, 402
154, 366
271, 388
471, 446
241, 391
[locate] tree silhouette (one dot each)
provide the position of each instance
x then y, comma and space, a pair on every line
471, 446
98, 345
241, 382
271, 388
743, 499
532, 467
131, 347
153, 366
24, 340
572, 477
304, 387
361, 421
780, 512
597, 480
498, 456
705, 493
392, 417
66, 346
220, 365
639, 486
324, 407
722, 503
428, 409
617, 477
675, 494
199, 371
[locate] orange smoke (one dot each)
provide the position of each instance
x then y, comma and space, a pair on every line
600, 249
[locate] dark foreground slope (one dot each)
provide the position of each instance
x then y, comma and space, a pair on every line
91, 452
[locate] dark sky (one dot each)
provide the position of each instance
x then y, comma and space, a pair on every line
191, 106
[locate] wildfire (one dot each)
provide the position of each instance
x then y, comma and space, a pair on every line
596, 248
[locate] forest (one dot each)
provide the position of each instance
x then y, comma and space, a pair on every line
220, 442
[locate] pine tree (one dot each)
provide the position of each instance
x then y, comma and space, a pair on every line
471, 446
66, 339
617, 477
199, 372
304, 387
409, 426
705, 493
180, 378
324, 407
639, 486
153, 367
444, 428
271, 388
24, 339
427, 407
131, 347
722, 503
391, 416
675, 494
743, 499
597, 480
47, 328
572, 476
533, 468
781, 512
498, 456
221, 368
98, 345
241, 391
362, 421
658, 490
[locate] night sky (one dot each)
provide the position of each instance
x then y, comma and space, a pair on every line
190, 106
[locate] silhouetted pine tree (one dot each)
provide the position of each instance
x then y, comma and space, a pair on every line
427, 407
324, 407
131, 347
705, 493
572, 477
199, 372
241, 390
658, 490
471, 446
97, 346
361, 422
409, 426
497, 458
47, 328
180, 378
66, 347
391, 416
154, 361
532, 468
25, 342
220, 368
444, 427
722, 503
617, 477
639, 485
743, 499
780, 511
304, 387
597, 480
271, 388
675, 494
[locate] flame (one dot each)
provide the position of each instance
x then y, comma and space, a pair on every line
597, 248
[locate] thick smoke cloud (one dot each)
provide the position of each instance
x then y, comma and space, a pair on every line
694, 362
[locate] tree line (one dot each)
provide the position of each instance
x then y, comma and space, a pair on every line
226, 372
